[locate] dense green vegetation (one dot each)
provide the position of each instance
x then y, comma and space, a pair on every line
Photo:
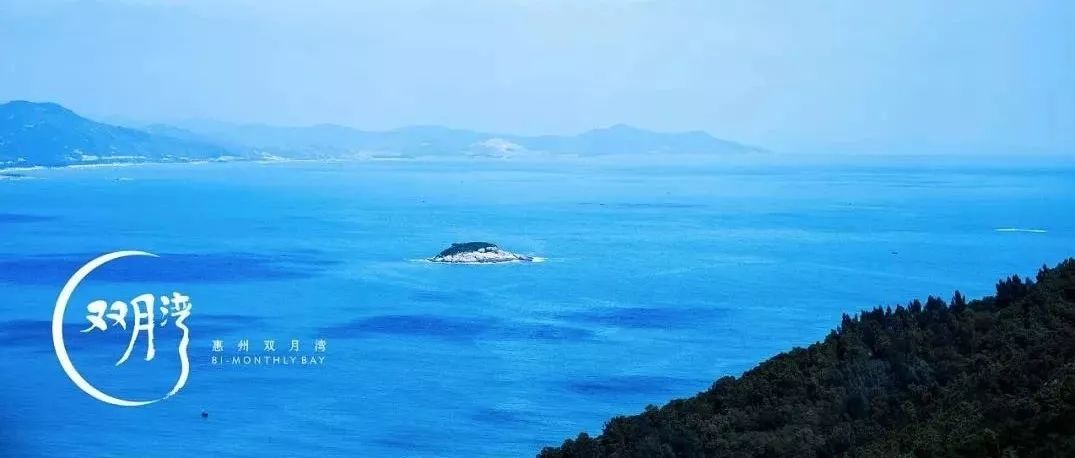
465, 247
991, 377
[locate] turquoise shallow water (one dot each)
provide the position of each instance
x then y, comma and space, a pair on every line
657, 282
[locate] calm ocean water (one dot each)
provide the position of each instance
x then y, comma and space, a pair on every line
657, 282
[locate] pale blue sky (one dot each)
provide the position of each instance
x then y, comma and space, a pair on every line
814, 76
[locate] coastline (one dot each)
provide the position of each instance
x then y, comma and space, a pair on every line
533, 260
105, 165
769, 160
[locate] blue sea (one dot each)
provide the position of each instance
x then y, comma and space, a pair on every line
656, 281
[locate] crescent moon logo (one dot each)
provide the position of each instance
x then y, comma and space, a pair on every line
61, 349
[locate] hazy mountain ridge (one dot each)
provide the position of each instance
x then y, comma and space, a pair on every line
437, 140
50, 135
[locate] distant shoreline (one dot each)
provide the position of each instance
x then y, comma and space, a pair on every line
76, 166
774, 161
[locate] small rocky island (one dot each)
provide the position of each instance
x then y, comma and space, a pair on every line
477, 253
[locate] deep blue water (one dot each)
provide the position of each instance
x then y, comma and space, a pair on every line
657, 282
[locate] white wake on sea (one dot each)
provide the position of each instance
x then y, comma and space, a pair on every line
1019, 229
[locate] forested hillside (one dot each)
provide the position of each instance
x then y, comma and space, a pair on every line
989, 377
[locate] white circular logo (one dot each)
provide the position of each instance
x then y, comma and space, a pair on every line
61, 349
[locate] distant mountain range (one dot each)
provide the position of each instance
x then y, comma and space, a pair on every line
51, 135
48, 134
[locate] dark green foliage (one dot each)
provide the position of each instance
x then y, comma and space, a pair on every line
988, 378
465, 247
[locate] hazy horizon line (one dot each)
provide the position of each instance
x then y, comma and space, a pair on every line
850, 149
